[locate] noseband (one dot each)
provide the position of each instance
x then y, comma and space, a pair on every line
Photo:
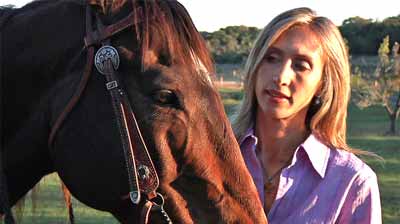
142, 176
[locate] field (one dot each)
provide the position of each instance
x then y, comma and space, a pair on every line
365, 130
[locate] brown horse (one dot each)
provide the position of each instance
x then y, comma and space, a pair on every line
58, 115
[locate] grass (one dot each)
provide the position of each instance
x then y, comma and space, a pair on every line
366, 129
50, 207
388, 171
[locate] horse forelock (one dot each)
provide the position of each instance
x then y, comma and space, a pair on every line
166, 27
107, 6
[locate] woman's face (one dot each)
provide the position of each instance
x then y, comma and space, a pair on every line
289, 75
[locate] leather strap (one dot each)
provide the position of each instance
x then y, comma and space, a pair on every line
75, 98
151, 206
137, 157
145, 212
82, 84
97, 37
142, 174
148, 182
92, 38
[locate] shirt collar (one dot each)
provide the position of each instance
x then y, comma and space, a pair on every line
318, 154
249, 136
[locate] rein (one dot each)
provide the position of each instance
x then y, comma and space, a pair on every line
4, 201
142, 176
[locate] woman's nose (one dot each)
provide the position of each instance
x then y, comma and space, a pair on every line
284, 74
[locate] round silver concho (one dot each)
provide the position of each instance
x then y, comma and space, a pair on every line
102, 55
144, 172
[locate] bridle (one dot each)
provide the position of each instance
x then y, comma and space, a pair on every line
142, 176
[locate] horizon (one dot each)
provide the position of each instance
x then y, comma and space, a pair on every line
257, 13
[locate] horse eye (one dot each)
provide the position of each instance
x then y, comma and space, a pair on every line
165, 97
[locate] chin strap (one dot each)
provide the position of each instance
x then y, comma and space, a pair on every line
155, 205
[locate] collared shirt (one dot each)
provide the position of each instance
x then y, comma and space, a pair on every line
321, 185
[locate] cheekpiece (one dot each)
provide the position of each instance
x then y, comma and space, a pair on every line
102, 55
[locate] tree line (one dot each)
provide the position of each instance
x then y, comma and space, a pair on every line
363, 36
379, 86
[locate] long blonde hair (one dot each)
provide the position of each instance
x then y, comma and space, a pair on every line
328, 123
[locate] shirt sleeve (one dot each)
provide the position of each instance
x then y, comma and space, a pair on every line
362, 204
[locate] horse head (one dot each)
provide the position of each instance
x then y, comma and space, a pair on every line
156, 96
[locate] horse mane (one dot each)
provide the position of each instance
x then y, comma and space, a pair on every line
171, 20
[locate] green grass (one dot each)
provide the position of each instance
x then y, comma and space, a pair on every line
50, 207
366, 129
231, 98
371, 121
388, 171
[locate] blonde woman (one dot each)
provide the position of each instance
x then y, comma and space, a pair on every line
292, 125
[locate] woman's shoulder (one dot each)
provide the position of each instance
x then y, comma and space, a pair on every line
360, 191
333, 162
349, 164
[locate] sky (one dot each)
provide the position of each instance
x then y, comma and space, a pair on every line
211, 15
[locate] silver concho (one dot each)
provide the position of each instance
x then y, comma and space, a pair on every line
102, 55
144, 172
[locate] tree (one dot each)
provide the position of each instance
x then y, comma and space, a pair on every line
364, 35
383, 87
231, 44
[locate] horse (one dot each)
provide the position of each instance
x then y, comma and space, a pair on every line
116, 97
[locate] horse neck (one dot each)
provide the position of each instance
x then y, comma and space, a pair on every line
26, 158
39, 41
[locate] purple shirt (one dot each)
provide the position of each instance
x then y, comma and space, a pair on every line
321, 185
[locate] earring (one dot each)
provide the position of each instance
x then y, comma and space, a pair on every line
317, 100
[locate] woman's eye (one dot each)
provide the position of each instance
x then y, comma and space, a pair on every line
302, 65
165, 97
272, 58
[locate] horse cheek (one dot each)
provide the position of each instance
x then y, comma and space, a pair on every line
177, 138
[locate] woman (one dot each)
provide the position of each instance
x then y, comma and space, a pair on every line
292, 125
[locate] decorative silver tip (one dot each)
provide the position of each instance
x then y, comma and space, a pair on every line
135, 197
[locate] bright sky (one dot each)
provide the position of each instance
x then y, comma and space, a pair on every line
211, 15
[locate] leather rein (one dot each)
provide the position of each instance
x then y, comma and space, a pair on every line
142, 176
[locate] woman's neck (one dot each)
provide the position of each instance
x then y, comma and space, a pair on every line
279, 138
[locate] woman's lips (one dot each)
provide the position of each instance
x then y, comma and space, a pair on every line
275, 94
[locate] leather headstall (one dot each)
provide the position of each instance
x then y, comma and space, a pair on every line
142, 176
